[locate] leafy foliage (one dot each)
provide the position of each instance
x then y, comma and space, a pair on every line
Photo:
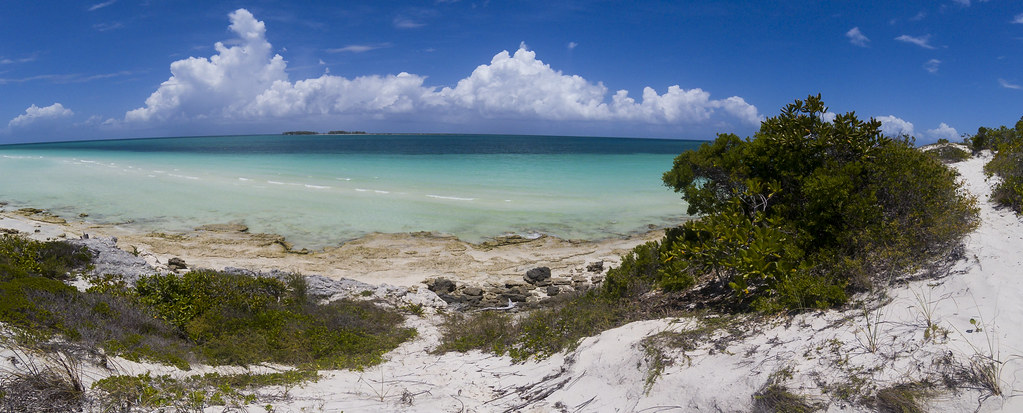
237, 319
809, 208
1008, 165
199, 316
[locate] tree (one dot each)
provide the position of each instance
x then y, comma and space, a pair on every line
808, 208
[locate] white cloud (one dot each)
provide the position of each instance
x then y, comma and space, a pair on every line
359, 48
966, 3
572, 45
922, 41
1018, 19
403, 22
857, 37
943, 131
893, 126
218, 86
1008, 85
98, 6
244, 82
932, 65
34, 114
919, 16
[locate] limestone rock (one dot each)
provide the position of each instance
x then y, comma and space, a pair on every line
537, 275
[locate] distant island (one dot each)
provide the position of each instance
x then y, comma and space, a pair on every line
333, 132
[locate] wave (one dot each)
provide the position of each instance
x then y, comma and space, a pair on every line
453, 198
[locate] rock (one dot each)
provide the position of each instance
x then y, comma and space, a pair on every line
596, 267
108, 259
233, 227
561, 281
442, 286
425, 298
518, 298
473, 291
553, 290
176, 264
538, 274
579, 279
515, 283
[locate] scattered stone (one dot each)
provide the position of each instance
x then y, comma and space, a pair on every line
579, 279
441, 286
553, 290
561, 281
472, 291
176, 264
538, 274
83, 215
597, 267
515, 283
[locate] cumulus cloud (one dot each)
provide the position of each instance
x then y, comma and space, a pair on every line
245, 82
932, 65
572, 45
893, 126
943, 131
1008, 85
922, 41
36, 114
856, 37
1018, 19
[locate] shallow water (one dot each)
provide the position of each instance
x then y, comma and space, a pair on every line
323, 190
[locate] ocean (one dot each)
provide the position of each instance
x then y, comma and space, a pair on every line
322, 190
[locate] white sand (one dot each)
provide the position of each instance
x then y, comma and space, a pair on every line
819, 351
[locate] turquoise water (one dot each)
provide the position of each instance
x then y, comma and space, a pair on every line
324, 190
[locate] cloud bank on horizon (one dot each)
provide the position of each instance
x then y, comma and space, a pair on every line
247, 82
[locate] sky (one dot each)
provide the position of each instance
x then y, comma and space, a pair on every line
97, 69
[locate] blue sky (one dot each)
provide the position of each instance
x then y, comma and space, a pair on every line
674, 69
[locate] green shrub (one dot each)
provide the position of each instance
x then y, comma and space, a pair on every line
538, 333
237, 319
807, 209
22, 257
1008, 165
949, 154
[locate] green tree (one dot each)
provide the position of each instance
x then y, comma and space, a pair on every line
808, 208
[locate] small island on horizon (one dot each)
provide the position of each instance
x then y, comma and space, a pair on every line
333, 132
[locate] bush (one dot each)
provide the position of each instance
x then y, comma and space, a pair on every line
806, 209
237, 319
22, 257
199, 316
1008, 165
538, 333
949, 154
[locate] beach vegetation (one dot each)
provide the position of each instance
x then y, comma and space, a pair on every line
538, 333
201, 316
241, 320
904, 398
1007, 164
949, 154
808, 210
192, 393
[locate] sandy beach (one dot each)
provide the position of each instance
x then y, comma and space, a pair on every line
884, 341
